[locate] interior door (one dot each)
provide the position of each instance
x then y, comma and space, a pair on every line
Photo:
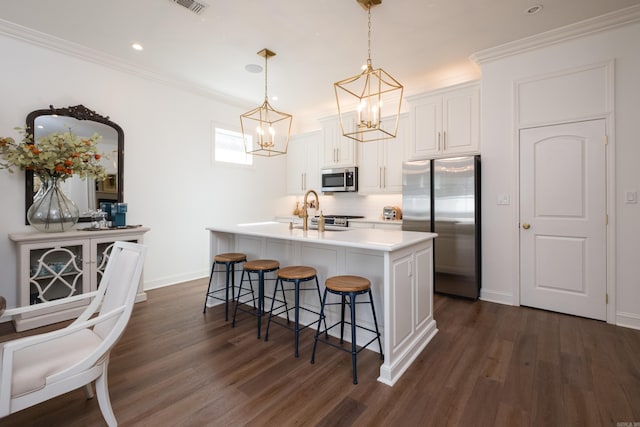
563, 218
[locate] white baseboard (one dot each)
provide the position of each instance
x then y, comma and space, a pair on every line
496, 296
628, 320
173, 280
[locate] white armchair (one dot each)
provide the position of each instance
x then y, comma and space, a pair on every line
40, 367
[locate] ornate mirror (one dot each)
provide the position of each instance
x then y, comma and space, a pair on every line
86, 193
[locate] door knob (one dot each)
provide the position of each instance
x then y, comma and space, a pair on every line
526, 226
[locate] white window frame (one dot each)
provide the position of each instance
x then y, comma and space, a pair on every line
235, 158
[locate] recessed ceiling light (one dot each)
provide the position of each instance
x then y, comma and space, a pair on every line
274, 98
136, 46
532, 10
253, 68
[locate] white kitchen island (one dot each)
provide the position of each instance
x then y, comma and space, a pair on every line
399, 265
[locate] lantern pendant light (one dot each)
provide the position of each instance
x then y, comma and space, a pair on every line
265, 130
371, 94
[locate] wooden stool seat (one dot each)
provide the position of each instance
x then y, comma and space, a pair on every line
229, 261
348, 283
261, 265
348, 288
230, 257
296, 278
297, 272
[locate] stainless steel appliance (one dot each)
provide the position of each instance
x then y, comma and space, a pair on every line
340, 179
443, 196
330, 221
391, 213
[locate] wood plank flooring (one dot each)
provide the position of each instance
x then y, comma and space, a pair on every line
489, 365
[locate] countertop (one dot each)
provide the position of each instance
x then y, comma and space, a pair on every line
375, 239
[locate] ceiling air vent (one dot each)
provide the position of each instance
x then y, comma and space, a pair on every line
194, 6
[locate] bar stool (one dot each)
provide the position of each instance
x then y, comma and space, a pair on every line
348, 287
259, 267
297, 275
229, 260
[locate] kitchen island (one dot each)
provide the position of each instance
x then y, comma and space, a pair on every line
399, 265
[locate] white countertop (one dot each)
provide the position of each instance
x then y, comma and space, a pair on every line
375, 239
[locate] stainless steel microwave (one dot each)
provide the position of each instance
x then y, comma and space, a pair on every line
340, 179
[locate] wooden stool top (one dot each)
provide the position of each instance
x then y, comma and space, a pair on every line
230, 257
297, 272
261, 264
347, 283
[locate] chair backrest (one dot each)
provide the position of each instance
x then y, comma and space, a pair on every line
119, 285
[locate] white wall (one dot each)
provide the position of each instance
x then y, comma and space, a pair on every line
500, 223
170, 183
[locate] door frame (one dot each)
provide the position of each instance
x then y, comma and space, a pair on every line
610, 196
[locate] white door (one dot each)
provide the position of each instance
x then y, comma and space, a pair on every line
563, 218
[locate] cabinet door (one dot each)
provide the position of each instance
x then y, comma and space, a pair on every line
338, 150
100, 253
51, 271
296, 165
311, 147
394, 152
426, 127
303, 164
461, 121
370, 170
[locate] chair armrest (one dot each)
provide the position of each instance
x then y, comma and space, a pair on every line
20, 343
9, 313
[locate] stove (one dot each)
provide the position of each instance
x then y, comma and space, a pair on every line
335, 220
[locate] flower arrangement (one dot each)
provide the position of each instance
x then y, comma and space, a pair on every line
56, 155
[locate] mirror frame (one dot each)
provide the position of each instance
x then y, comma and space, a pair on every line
79, 112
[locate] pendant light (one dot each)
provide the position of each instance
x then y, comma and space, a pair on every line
266, 131
372, 94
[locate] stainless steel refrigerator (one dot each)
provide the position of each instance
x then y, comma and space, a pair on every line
443, 196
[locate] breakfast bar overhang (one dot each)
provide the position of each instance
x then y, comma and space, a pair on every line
399, 265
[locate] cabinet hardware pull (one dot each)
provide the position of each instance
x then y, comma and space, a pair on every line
444, 140
438, 141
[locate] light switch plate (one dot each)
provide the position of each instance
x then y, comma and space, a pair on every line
631, 197
503, 199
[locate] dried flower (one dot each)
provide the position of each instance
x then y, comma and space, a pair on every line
58, 155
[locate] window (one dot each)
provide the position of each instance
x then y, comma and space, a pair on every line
229, 147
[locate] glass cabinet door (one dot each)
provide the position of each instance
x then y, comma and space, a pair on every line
56, 273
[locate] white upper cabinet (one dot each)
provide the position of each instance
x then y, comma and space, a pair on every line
380, 162
303, 163
445, 122
338, 150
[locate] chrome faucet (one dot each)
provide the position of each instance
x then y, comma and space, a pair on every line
305, 214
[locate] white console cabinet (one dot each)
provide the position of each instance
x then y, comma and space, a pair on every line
59, 265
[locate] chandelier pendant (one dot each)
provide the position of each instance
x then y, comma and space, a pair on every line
372, 94
265, 130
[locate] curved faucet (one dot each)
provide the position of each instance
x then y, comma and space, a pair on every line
305, 214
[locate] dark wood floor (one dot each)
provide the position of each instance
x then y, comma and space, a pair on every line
490, 365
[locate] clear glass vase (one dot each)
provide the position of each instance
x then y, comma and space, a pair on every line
52, 211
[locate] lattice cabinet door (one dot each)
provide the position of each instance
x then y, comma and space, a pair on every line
55, 274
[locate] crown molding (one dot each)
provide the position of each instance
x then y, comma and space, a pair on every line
604, 22
84, 53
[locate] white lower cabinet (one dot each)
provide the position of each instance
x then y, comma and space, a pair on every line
52, 266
